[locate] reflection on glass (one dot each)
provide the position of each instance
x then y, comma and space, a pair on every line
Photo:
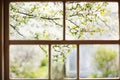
99, 61
36, 20
29, 61
92, 21
63, 61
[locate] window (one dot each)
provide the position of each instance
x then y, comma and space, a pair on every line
61, 39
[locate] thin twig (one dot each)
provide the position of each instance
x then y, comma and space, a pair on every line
14, 27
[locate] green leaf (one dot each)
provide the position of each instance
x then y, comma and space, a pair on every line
91, 33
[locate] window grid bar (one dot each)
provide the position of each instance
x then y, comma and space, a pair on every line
78, 61
40, 79
64, 21
94, 0
100, 79
49, 62
34, 0
1, 36
28, 79
119, 36
119, 17
119, 63
62, 0
72, 79
6, 43
66, 42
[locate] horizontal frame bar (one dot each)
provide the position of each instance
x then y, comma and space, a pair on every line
74, 79
36, 0
94, 0
99, 79
28, 79
39, 79
63, 0
65, 42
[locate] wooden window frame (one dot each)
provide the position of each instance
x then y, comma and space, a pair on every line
8, 42
1, 39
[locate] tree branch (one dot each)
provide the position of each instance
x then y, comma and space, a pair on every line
74, 8
105, 23
46, 18
32, 16
77, 14
50, 18
14, 27
57, 23
26, 14
73, 22
43, 49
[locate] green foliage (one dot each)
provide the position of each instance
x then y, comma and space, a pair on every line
24, 14
44, 62
30, 64
28, 72
105, 62
60, 52
89, 14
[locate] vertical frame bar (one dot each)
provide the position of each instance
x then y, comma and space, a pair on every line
119, 36
64, 21
78, 62
6, 43
1, 2
2, 38
49, 62
119, 17
118, 72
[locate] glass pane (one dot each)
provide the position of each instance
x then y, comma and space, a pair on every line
92, 21
36, 21
99, 61
29, 61
63, 61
